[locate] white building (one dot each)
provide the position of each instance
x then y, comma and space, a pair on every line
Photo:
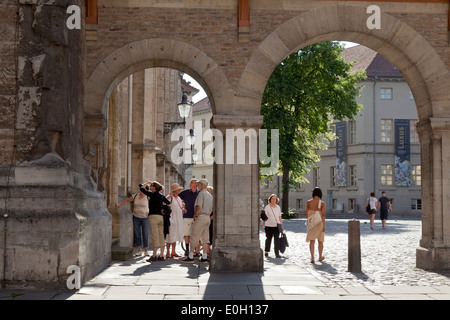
370, 146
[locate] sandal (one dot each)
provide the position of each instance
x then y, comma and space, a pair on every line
174, 255
321, 259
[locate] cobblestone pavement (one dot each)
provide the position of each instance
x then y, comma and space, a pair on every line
388, 256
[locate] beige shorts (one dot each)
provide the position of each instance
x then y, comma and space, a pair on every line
200, 229
188, 226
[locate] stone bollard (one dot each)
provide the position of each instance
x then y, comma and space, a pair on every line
354, 246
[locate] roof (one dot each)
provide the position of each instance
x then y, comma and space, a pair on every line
371, 61
202, 105
188, 88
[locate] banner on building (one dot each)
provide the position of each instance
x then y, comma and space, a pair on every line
402, 153
341, 154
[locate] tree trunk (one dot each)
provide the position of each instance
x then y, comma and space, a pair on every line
285, 190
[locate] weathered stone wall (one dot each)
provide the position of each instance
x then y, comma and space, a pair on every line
55, 217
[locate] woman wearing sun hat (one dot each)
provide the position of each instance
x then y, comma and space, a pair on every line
176, 229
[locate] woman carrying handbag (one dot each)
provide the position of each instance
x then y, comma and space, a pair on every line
273, 223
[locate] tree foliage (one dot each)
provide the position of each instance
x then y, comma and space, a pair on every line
306, 91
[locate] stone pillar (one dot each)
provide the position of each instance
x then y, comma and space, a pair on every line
236, 246
354, 246
434, 250
55, 215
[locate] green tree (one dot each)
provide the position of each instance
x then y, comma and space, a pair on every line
306, 91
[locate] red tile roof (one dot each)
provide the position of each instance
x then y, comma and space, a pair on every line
202, 105
371, 61
188, 88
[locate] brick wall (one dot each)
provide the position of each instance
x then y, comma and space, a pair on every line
212, 31
215, 32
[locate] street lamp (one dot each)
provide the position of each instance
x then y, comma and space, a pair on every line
191, 137
184, 109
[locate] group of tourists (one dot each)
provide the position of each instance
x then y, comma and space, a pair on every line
181, 216
186, 216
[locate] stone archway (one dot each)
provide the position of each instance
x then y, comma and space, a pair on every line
137, 56
425, 73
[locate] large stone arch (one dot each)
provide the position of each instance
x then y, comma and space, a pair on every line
426, 74
139, 55
411, 53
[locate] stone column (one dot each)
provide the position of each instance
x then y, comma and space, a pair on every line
434, 250
56, 217
236, 245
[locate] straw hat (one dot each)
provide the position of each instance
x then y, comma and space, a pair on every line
174, 187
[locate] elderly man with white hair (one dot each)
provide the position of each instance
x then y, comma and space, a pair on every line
200, 227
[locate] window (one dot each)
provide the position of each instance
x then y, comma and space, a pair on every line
352, 175
333, 128
333, 176
416, 204
386, 94
299, 204
352, 132
416, 175
386, 130
351, 204
334, 204
316, 177
414, 137
386, 175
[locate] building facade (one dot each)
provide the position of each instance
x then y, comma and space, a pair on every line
362, 159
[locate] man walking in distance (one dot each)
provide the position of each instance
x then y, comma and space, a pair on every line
200, 226
189, 196
384, 205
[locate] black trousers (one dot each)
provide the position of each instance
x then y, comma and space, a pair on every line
272, 232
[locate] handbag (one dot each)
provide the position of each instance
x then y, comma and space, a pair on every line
314, 219
264, 216
282, 244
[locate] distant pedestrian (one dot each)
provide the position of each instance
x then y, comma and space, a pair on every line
384, 205
372, 203
315, 215
176, 228
140, 220
156, 218
272, 230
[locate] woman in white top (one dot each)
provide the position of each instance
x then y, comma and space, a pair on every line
140, 221
273, 212
315, 215
176, 228
373, 202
